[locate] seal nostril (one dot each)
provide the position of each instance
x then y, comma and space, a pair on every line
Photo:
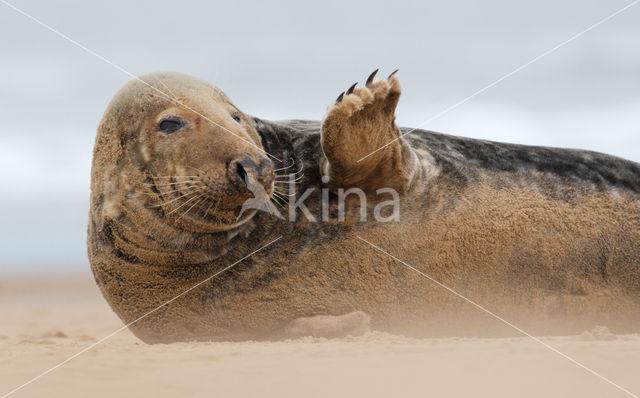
241, 172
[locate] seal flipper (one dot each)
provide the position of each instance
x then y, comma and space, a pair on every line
361, 142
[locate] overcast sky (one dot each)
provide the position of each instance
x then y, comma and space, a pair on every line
290, 59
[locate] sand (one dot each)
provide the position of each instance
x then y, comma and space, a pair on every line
45, 320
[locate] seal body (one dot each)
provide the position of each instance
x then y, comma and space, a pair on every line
548, 239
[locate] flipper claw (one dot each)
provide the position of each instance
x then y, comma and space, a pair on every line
350, 89
371, 76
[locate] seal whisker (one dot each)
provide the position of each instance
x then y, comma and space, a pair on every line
288, 175
208, 208
289, 178
277, 200
281, 193
179, 197
163, 193
284, 195
169, 184
278, 196
189, 191
166, 183
188, 201
163, 183
297, 172
191, 207
169, 177
285, 183
217, 203
281, 201
286, 167
203, 202
283, 168
195, 168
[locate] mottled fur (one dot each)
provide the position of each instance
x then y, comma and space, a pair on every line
547, 238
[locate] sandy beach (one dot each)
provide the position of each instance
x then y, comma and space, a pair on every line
46, 320
545, 73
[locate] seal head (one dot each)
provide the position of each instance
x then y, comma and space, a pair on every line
193, 151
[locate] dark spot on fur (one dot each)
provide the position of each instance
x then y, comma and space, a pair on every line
106, 237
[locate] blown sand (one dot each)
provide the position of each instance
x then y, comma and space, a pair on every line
46, 320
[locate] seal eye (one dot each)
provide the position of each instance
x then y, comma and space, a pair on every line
170, 125
236, 117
